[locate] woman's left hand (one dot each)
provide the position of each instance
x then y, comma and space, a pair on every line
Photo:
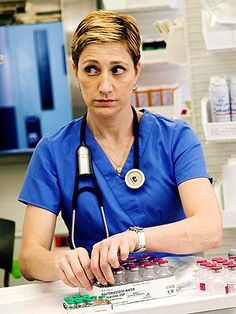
107, 253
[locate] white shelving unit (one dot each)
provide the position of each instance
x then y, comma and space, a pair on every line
217, 39
131, 6
218, 132
156, 68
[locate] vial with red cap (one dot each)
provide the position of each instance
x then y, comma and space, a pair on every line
231, 278
119, 276
164, 269
218, 282
133, 274
149, 271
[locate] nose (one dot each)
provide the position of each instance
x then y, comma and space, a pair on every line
105, 83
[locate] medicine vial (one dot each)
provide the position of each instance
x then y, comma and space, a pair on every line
218, 284
119, 276
219, 100
232, 252
231, 278
133, 274
149, 271
146, 257
164, 269
232, 88
156, 265
141, 268
201, 277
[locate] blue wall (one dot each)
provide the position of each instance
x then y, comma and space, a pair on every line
35, 81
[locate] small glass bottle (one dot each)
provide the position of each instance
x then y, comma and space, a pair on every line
201, 277
164, 269
218, 282
156, 265
141, 267
149, 271
231, 278
146, 257
119, 276
132, 260
133, 274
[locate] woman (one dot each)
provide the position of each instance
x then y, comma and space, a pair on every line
170, 196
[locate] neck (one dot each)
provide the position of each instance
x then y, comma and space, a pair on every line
111, 127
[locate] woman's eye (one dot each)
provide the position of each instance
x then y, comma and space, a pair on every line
92, 70
118, 69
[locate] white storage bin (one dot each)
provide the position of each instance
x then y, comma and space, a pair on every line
216, 131
217, 39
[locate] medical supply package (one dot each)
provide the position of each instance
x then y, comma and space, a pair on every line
135, 292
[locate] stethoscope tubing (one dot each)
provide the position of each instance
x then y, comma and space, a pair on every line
96, 189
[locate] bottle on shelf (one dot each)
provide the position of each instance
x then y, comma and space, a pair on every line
219, 99
232, 88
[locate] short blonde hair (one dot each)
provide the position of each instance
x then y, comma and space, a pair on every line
105, 26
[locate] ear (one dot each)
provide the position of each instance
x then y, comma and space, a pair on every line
137, 71
75, 70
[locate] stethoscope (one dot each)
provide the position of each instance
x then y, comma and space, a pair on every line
134, 178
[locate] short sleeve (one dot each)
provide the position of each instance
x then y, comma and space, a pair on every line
40, 187
187, 154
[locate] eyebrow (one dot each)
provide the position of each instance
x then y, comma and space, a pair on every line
112, 62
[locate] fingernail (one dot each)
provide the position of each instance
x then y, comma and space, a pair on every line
104, 283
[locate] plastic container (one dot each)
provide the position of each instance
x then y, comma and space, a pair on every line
219, 100
232, 88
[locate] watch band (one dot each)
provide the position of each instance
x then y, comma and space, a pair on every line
141, 238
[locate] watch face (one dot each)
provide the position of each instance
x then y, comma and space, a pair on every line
137, 229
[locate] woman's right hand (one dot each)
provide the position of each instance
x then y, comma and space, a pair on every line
73, 268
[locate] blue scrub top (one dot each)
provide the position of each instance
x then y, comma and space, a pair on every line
169, 154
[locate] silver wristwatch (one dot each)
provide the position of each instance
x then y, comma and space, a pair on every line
141, 238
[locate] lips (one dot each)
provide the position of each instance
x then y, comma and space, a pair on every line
105, 100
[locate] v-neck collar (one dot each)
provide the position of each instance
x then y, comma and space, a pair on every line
101, 160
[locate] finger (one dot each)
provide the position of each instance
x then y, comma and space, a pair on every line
124, 249
79, 274
67, 275
104, 262
95, 264
62, 276
86, 264
113, 254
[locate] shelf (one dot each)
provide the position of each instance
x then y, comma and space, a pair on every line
217, 39
158, 56
125, 6
218, 132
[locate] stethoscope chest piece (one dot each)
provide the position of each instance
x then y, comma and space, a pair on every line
134, 178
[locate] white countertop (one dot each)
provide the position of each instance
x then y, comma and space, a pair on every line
47, 298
